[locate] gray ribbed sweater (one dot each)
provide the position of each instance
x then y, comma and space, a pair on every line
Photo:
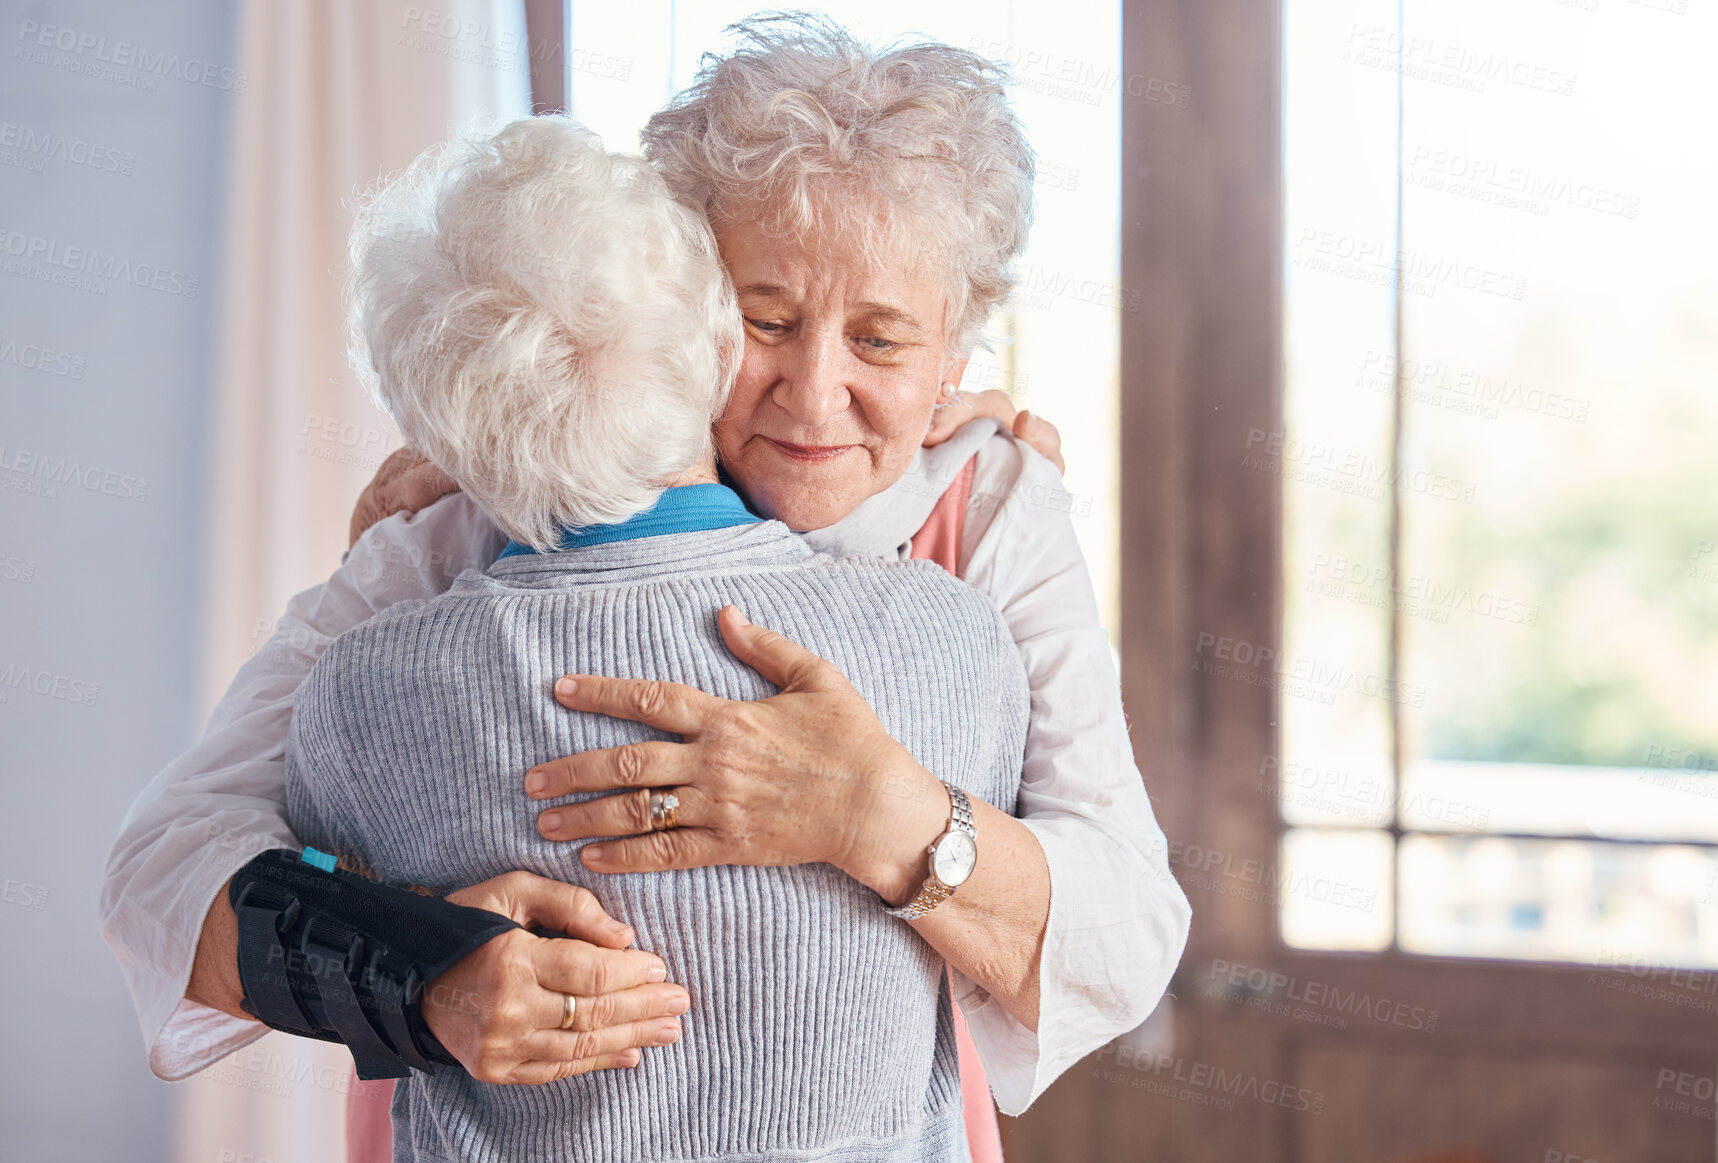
819, 1027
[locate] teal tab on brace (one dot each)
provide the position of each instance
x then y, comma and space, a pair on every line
321, 860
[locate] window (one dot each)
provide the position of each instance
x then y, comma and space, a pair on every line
1499, 714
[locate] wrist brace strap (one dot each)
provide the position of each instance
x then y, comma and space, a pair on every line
326, 954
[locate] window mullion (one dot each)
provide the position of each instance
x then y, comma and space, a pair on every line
1393, 653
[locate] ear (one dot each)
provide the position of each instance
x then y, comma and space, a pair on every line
952, 373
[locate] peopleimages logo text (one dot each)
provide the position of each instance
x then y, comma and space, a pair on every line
125, 54
75, 151
58, 470
33, 248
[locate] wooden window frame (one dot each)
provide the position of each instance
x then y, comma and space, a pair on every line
1201, 552
547, 24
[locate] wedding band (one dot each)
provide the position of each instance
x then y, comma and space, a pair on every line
568, 1004
663, 807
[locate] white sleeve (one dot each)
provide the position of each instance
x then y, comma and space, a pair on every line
1118, 920
884, 523
223, 802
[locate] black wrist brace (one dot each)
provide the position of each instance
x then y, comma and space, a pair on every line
330, 955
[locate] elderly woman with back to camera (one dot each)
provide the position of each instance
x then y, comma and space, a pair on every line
866, 205
574, 407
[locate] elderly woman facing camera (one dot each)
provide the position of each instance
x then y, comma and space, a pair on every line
866, 205
556, 332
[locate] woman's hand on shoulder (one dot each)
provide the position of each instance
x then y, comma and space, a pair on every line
405, 483
1035, 432
499, 1010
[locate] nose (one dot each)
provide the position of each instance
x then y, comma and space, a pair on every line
809, 384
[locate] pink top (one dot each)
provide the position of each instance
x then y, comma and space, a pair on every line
938, 540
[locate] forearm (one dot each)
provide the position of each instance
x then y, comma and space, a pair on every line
215, 969
164, 906
186, 837
214, 980
992, 928
223, 802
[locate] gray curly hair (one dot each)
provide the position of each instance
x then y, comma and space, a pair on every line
818, 137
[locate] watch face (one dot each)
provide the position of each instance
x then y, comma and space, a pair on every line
955, 858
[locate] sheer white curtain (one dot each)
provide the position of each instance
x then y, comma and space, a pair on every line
339, 93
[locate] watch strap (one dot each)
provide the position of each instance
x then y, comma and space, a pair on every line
960, 816
934, 892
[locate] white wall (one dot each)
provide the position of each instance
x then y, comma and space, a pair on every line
97, 574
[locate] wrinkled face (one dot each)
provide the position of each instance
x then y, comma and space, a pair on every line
841, 371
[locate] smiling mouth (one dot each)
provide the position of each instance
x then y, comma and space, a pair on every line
809, 451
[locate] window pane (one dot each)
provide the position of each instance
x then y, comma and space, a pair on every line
1561, 358
1339, 155
1559, 900
1355, 795
1641, 803
1558, 588
1334, 890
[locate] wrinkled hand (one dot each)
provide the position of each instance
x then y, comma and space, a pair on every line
805, 776
499, 1009
405, 483
1033, 431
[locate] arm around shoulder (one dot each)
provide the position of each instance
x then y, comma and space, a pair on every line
1118, 921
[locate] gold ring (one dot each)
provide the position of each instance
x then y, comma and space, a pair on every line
568, 1004
664, 806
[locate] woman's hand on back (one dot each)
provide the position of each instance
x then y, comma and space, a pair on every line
499, 1009
1035, 432
809, 775
405, 483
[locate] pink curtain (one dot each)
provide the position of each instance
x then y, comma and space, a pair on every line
337, 93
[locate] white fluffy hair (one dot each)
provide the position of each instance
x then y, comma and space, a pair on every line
822, 138
544, 322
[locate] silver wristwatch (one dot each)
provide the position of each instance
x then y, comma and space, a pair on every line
952, 859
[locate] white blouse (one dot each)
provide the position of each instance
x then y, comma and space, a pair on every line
1118, 919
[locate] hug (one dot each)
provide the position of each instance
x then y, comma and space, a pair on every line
777, 771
